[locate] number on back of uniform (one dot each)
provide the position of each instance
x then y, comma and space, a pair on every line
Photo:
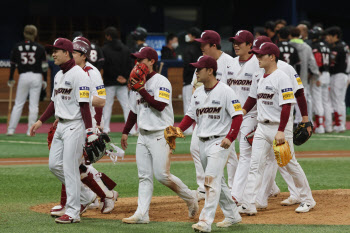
28, 58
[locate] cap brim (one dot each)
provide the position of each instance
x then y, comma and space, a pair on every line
236, 38
137, 55
200, 40
256, 51
196, 65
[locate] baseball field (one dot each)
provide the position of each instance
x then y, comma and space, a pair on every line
28, 190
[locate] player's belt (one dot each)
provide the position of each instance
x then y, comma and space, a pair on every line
209, 138
62, 120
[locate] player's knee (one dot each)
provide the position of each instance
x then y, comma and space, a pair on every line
162, 177
208, 181
54, 167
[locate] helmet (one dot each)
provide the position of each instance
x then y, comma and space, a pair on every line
315, 33
140, 33
83, 45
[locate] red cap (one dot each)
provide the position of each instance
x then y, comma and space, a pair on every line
82, 46
205, 62
146, 52
259, 40
243, 36
209, 36
267, 48
62, 43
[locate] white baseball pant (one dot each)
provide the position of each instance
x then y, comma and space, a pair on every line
321, 101
263, 140
338, 87
28, 83
121, 92
308, 97
64, 160
186, 100
194, 149
153, 157
245, 151
213, 158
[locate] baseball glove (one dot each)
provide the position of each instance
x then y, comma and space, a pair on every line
138, 73
282, 153
170, 134
51, 133
300, 134
96, 149
249, 137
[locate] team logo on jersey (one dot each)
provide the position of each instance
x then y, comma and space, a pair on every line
64, 91
232, 82
218, 73
248, 75
265, 96
208, 110
287, 93
196, 102
101, 91
298, 79
164, 93
84, 92
237, 105
229, 73
215, 102
269, 88
67, 83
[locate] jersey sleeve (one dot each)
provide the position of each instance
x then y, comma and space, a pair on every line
254, 87
163, 92
285, 91
296, 80
83, 87
15, 57
191, 111
233, 106
132, 102
98, 88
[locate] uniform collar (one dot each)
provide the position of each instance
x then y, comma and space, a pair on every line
67, 66
150, 75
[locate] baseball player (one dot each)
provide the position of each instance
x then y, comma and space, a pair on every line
70, 104
218, 114
151, 107
30, 59
211, 46
337, 69
268, 186
274, 97
288, 53
320, 86
139, 36
98, 182
243, 68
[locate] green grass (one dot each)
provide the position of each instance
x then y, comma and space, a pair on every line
23, 186
18, 145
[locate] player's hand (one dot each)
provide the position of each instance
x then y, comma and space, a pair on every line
124, 141
318, 83
11, 83
280, 138
121, 79
305, 119
34, 127
55, 123
244, 112
133, 82
99, 128
225, 143
44, 84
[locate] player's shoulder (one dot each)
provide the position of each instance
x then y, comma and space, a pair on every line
226, 57
161, 79
199, 90
223, 87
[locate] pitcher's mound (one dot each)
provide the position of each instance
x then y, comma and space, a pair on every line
333, 208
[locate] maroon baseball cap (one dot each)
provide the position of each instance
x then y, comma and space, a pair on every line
267, 48
243, 36
205, 62
259, 40
146, 52
82, 39
209, 36
62, 43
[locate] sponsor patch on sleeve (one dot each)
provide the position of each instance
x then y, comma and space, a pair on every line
237, 105
287, 93
84, 92
101, 91
298, 79
164, 93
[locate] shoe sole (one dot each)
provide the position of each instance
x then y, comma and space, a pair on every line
199, 230
249, 214
284, 204
135, 222
67, 222
229, 225
299, 212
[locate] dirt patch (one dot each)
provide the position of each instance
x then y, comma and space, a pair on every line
333, 208
177, 157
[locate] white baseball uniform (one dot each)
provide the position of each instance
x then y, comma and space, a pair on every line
152, 151
213, 112
223, 73
66, 151
240, 82
271, 93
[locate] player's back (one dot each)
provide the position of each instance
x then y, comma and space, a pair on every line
322, 55
28, 56
288, 53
